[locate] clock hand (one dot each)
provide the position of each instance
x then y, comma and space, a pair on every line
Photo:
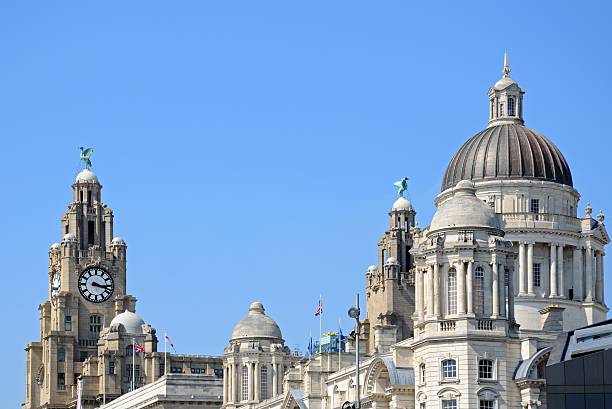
94, 284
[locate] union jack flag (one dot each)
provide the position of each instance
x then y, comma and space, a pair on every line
138, 347
319, 309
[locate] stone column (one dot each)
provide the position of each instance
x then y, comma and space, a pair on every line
501, 277
281, 371
589, 274
553, 270
461, 288
256, 382
251, 381
560, 270
430, 291
578, 284
436, 286
274, 379
530, 269
599, 290
522, 270
225, 382
418, 293
235, 382
470, 285
495, 288
511, 295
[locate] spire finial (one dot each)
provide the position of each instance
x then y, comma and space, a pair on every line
506, 66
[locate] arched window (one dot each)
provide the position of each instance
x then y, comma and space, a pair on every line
485, 369
479, 291
422, 373
452, 291
511, 106
449, 369
263, 387
245, 382
61, 355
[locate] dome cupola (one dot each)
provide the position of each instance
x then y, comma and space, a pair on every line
507, 149
257, 324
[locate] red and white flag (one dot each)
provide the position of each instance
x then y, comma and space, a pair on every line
319, 308
171, 344
138, 347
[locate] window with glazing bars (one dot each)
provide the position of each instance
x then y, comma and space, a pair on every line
479, 291
449, 369
245, 383
485, 369
452, 291
537, 275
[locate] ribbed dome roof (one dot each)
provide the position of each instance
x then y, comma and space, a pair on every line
257, 325
508, 151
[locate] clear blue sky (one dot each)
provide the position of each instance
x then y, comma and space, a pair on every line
248, 149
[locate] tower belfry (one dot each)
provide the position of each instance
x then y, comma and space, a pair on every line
389, 287
87, 289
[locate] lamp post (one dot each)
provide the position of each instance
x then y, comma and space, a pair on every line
353, 312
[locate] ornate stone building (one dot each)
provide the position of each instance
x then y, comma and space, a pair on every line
464, 313
88, 325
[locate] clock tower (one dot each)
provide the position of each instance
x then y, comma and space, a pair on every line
87, 289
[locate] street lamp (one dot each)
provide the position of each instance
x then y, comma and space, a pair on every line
353, 312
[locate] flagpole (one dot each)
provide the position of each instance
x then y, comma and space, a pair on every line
104, 367
320, 321
133, 364
339, 344
165, 353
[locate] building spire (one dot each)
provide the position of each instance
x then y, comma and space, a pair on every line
506, 70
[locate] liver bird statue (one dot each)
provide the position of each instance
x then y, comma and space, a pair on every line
401, 186
85, 154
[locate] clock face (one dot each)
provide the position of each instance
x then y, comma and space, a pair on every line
96, 284
55, 283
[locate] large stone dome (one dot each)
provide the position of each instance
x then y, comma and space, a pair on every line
257, 325
507, 151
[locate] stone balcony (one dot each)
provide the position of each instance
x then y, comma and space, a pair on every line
541, 221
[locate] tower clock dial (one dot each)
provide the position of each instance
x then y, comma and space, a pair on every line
96, 284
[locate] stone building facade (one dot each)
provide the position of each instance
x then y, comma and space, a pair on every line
463, 313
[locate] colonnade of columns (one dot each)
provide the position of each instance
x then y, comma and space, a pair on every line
586, 281
232, 377
429, 298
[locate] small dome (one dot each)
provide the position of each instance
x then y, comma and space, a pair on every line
257, 325
402, 204
69, 237
54, 246
86, 176
132, 323
503, 83
464, 210
372, 268
391, 261
118, 241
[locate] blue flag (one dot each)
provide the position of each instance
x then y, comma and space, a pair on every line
310, 351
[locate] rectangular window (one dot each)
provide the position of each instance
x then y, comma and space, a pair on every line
486, 404
485, 369
111, 367
537, 275
61, 355
61, 378
452, 292
245, 383
137, 370
449, 369
95, 324
479, 291
534, 206
128, 370
263, 387
449, 404
83, 356
91, 233
68, 323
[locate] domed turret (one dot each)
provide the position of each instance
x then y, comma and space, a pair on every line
131, 322
257, 325
402, 204
464, 210
507, 149
86, 176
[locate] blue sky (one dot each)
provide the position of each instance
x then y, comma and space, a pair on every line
248, 149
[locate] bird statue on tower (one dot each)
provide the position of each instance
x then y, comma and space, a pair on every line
85, 154
401, 186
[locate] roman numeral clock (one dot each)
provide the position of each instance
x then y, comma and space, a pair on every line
96, 284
